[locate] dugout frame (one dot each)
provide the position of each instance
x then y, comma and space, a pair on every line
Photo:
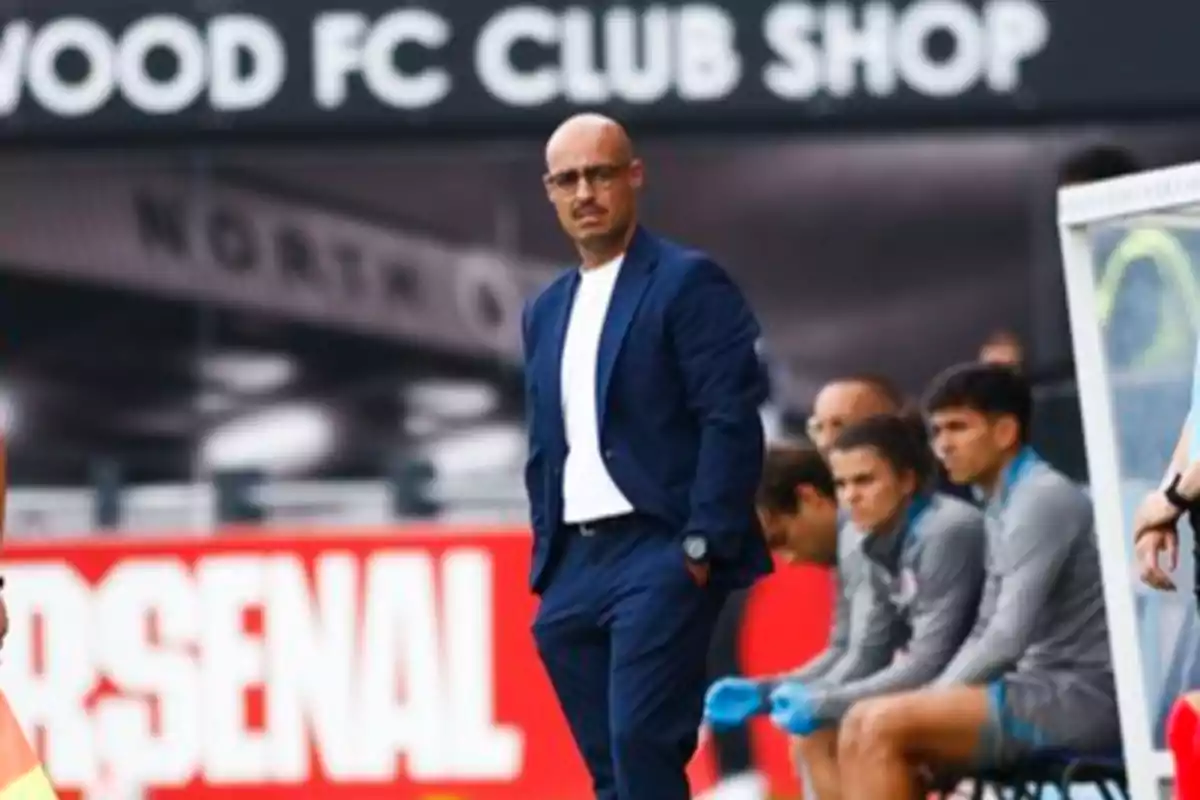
1163, 197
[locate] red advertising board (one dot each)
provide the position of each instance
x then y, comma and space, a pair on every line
332, 664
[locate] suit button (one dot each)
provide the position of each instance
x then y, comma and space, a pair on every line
608, 453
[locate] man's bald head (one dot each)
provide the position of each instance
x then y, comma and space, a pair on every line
595, 132
848, 401
592, 178
1002, 347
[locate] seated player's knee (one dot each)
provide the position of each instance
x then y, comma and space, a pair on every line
851, 732
871, 727
796, 749
819, 747
805, 747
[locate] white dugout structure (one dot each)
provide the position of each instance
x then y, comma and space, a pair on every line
1131, 255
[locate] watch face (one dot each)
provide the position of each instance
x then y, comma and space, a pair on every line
695, 548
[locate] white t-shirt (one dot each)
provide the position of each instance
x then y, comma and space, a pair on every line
589, 492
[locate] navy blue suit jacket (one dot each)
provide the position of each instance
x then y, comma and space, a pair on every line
678, 391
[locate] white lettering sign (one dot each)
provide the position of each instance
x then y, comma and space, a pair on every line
211, 58
843, 49
644, 57
525, 55
161, 674
345, 42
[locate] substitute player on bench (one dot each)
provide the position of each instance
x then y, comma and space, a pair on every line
1036, 673
924, 556
844, 401
797, 507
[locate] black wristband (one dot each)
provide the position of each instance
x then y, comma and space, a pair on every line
1173, 496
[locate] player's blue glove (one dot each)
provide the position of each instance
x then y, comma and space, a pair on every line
731, 701
793, 709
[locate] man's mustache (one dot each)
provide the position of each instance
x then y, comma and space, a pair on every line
590, 208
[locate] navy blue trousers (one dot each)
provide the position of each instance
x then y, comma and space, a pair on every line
623, 632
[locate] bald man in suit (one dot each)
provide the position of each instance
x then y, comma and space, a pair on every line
643, 389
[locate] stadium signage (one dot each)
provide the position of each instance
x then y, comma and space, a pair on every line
332, 664
439, 63
233, 241
246, 247
250, 657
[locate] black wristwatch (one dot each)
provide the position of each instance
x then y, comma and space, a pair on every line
1184, 504
695, 549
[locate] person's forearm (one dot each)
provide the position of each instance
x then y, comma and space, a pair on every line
1179, 458
869, 650
815, 668
1181, 465
986, 658
832, 702
715, 336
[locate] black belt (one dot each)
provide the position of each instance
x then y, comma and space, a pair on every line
599, 526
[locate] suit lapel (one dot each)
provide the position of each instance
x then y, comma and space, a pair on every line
552, 366
631, 284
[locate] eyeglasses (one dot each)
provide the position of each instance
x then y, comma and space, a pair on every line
594, 175
816, 427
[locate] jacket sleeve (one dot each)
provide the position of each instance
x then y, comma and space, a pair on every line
873, 630
839, 638
714, 335
1040, 530
533, 457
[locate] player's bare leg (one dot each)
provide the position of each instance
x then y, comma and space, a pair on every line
818, 753
886, 742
